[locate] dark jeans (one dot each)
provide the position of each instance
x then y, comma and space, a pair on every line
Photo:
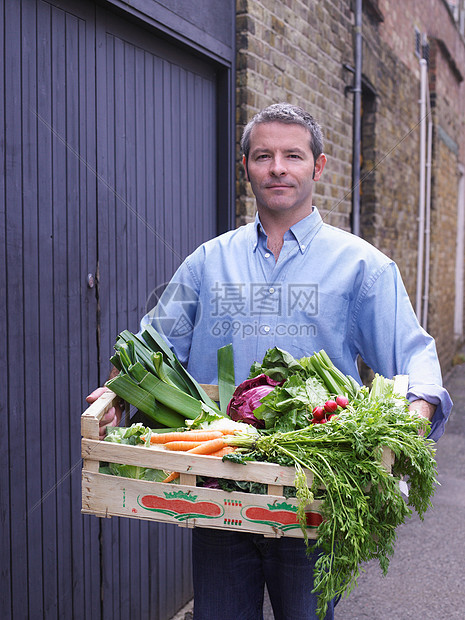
230, 570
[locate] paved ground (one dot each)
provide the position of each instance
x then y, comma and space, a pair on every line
427, 573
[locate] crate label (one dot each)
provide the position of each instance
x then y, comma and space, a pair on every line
181, 506
282, 516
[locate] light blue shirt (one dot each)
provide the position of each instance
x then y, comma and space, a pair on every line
328, 290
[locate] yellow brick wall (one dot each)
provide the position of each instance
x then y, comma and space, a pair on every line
296, 51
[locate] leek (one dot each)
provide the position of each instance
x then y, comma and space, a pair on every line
127, 389
153, 380
226, 379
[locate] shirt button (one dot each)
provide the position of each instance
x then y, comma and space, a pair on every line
266, 328
267, 255
271, 290
302, 247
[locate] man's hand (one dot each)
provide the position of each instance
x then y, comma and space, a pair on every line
112, 416
422, 408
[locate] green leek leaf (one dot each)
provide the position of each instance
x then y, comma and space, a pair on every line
226, 380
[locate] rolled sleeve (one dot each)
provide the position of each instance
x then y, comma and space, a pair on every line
436, 395
391, 341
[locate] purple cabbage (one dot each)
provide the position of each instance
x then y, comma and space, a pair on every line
246, 399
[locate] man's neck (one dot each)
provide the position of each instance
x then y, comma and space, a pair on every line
276, 226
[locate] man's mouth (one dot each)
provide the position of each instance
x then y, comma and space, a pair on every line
277, 186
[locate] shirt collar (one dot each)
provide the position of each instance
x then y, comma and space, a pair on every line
303, 231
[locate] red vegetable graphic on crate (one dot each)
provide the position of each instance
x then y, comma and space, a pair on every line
180, 505
282, 516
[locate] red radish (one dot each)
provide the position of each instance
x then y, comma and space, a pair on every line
318, 413
332, 416
330, 406
342, 401
323, 421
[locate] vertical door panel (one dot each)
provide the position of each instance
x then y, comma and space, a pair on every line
49, 234
123, 190
156, 136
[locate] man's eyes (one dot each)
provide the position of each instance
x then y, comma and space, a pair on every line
268, 156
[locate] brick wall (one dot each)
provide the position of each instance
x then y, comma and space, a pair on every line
390, 194
296, 51
389, 202
443, 241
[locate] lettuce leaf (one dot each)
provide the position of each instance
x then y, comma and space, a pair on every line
287, 407
278, 365
132, 436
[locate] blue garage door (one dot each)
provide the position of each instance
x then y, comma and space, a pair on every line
110, 156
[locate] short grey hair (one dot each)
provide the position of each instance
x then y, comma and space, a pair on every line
285, 113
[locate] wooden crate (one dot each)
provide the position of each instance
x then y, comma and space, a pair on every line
185, 504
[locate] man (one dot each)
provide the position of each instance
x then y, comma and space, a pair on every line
287, 280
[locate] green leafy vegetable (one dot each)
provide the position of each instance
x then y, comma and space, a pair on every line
289, 406
277, 364
153, 380
362, 503
335, 381
132, 436
226, 381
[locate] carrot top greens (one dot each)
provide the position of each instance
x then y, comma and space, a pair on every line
362, 502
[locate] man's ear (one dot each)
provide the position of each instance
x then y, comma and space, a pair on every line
319, 166
244, 163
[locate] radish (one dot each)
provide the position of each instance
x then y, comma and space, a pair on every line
318, 413
342, 401
330, 406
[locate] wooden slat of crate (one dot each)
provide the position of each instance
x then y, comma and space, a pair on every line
160, 458
189, 506
105, 495
271, 515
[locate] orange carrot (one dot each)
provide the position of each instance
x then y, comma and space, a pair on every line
222, 451
208, 447
184, 446
185, 436
173, 476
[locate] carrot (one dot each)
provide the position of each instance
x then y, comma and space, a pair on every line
222, 451
185, 436
184, 446
208, 447
173, 476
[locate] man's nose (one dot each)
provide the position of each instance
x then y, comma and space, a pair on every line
278, 166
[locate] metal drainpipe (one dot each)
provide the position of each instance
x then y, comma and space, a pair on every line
427, 207
421, 200
357, 90
459, 258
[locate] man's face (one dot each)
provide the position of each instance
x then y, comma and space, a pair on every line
280, 168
